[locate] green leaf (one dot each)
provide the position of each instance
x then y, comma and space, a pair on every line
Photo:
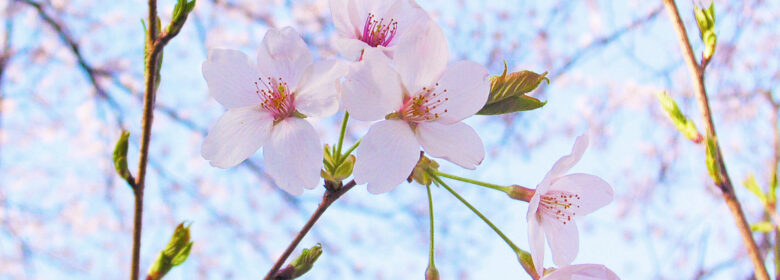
751, 184
507, 92
511, 105
762, 227
712, 161
683, 124
175, 253
345, 168
179, 16
120, 155
705, 19
306, 260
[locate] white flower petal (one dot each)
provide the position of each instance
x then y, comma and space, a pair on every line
386, 156
458, 143
409, 16
467, 88
236, 136
342, 18
351, 49
283, 54
422, 59
593, 191
293, 155
563, 238
318, 92
535, 237
230, 76
372, 89
582, 272
565, 163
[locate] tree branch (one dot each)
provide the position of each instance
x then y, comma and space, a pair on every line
726, 187
328, 198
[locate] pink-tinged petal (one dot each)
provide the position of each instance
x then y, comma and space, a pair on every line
342, 18
230, 76
565, 163
593, 192
422, 59
350, 49
318, 92
563, 238
535, 236
458, 143
386, 156
377, 7
372, 89
283, 54
409, 16
582, 272
238, 134
293, 155
467, 88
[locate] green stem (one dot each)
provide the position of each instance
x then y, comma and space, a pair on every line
341, 136
485, 219
475, 182
430, 210
524, 257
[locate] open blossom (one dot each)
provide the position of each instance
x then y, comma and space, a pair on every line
377, 24
266, 102
557, 201
422, 102
582, 272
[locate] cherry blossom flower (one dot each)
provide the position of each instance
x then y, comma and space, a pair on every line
582, 272
422, 102
377, 24
559, 199
266, 102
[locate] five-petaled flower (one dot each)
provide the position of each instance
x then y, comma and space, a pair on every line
582, 272
558, 199
380, 24
422, 102
266, 102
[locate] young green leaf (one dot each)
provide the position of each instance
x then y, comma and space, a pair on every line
763, 226
712, 161
120, 155
751, 184
175, 253
507, 92
683, 124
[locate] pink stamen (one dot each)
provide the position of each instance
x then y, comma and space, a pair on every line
377, 33
425, 105
275, 97
559, 205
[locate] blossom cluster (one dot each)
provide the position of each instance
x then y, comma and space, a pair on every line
396, 73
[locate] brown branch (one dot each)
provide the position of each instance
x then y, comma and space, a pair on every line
328, 198
725, 184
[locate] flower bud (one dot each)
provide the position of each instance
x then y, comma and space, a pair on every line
431, 273
120, 156
521, 193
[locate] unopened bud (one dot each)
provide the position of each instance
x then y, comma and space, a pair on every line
431, 273
300, 265
520, 193
175, 253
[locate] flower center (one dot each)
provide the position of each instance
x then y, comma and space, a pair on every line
378, 32
275, 97
425, 105
559, 205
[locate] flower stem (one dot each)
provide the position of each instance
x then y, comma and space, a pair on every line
341, 135
430, 210
327, 199
485, 219
523, 256
475, 182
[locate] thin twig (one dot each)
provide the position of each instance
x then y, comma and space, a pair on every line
328, 198
725, 185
